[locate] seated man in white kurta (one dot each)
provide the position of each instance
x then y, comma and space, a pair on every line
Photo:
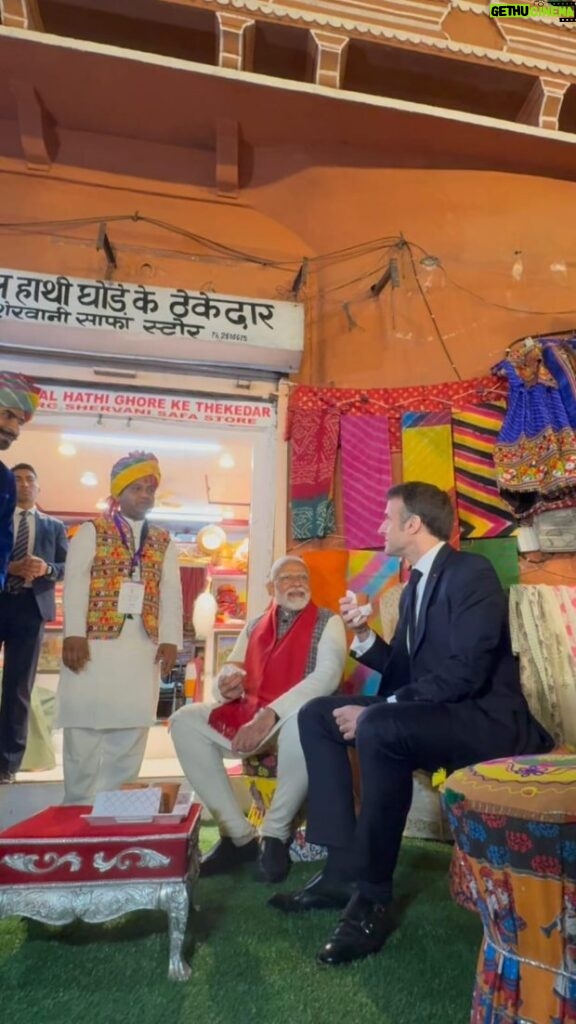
122, 627
290, 654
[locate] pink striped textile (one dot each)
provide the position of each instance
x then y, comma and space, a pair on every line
366, 477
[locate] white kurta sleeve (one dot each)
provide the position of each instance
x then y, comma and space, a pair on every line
325, 678
170, 611
77, 580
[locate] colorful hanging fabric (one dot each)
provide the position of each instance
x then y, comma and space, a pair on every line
372, 574
366, 477
535, 455
392, 402
481, 510
502, 552
427, 454
542, 628
314, 437
328, 570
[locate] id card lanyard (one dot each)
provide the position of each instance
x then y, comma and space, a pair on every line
131, 596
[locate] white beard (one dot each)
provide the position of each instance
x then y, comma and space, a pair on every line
296, 603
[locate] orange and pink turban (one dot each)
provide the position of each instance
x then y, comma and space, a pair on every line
132, 467
19, 392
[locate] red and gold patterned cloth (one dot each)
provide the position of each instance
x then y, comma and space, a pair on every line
59, 846
514, 822
391, 402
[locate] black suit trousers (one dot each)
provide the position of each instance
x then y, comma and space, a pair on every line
392, 741
21, 632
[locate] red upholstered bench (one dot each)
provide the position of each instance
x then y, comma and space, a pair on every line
56, 867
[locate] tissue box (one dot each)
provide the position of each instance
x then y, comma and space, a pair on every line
167, 802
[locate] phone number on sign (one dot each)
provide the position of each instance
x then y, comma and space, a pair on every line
228, 336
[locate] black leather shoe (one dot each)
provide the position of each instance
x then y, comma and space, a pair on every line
225, 857
273, 860
319, 894
361, 931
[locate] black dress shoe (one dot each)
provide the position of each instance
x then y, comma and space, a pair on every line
225, 856
319, 894
361, 931
273, 860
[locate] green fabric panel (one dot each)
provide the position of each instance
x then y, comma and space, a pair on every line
502, 552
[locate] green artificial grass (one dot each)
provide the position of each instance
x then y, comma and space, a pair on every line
250, 964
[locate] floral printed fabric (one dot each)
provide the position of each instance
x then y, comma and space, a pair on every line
514, 822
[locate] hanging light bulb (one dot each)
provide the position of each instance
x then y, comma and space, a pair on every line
204, 613
210, 539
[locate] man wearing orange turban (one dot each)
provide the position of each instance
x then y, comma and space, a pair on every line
122, 626
19, 397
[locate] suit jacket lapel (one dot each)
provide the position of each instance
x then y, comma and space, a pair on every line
431, 584
401, 630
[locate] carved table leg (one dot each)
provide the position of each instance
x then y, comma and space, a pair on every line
174, 900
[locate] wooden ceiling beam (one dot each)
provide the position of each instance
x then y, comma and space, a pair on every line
544, 102
37, 134
227, 157
21, 14
235, 41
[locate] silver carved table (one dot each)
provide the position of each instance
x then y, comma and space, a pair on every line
126, 860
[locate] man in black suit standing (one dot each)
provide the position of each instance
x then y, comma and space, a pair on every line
19, 397
449, 696
27, 602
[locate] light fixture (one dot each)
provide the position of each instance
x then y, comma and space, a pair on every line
67, 448
146, 443
204, 613
210, 539
226, 461
163, 515
430, 262
89, 479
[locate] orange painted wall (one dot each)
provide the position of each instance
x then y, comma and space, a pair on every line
308, 204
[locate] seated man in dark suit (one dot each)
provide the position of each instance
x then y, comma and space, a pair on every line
449, 696
36, 564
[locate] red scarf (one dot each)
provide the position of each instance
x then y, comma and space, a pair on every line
272, 666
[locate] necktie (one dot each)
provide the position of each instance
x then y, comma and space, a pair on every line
415, 577
19, 551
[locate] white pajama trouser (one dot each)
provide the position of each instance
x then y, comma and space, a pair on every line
201, 750
95, 760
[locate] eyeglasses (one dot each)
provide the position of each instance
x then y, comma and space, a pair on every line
289, 578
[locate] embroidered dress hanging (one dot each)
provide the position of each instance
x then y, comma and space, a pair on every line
535, 456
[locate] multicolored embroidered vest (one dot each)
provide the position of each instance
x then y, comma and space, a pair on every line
111, 566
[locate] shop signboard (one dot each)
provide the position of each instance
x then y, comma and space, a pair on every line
201, 409
67, 314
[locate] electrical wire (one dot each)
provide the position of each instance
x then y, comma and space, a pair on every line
324, 259
317, 263
501, 305
432, 314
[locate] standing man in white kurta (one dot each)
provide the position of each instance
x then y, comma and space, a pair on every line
292, 653
122, 627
